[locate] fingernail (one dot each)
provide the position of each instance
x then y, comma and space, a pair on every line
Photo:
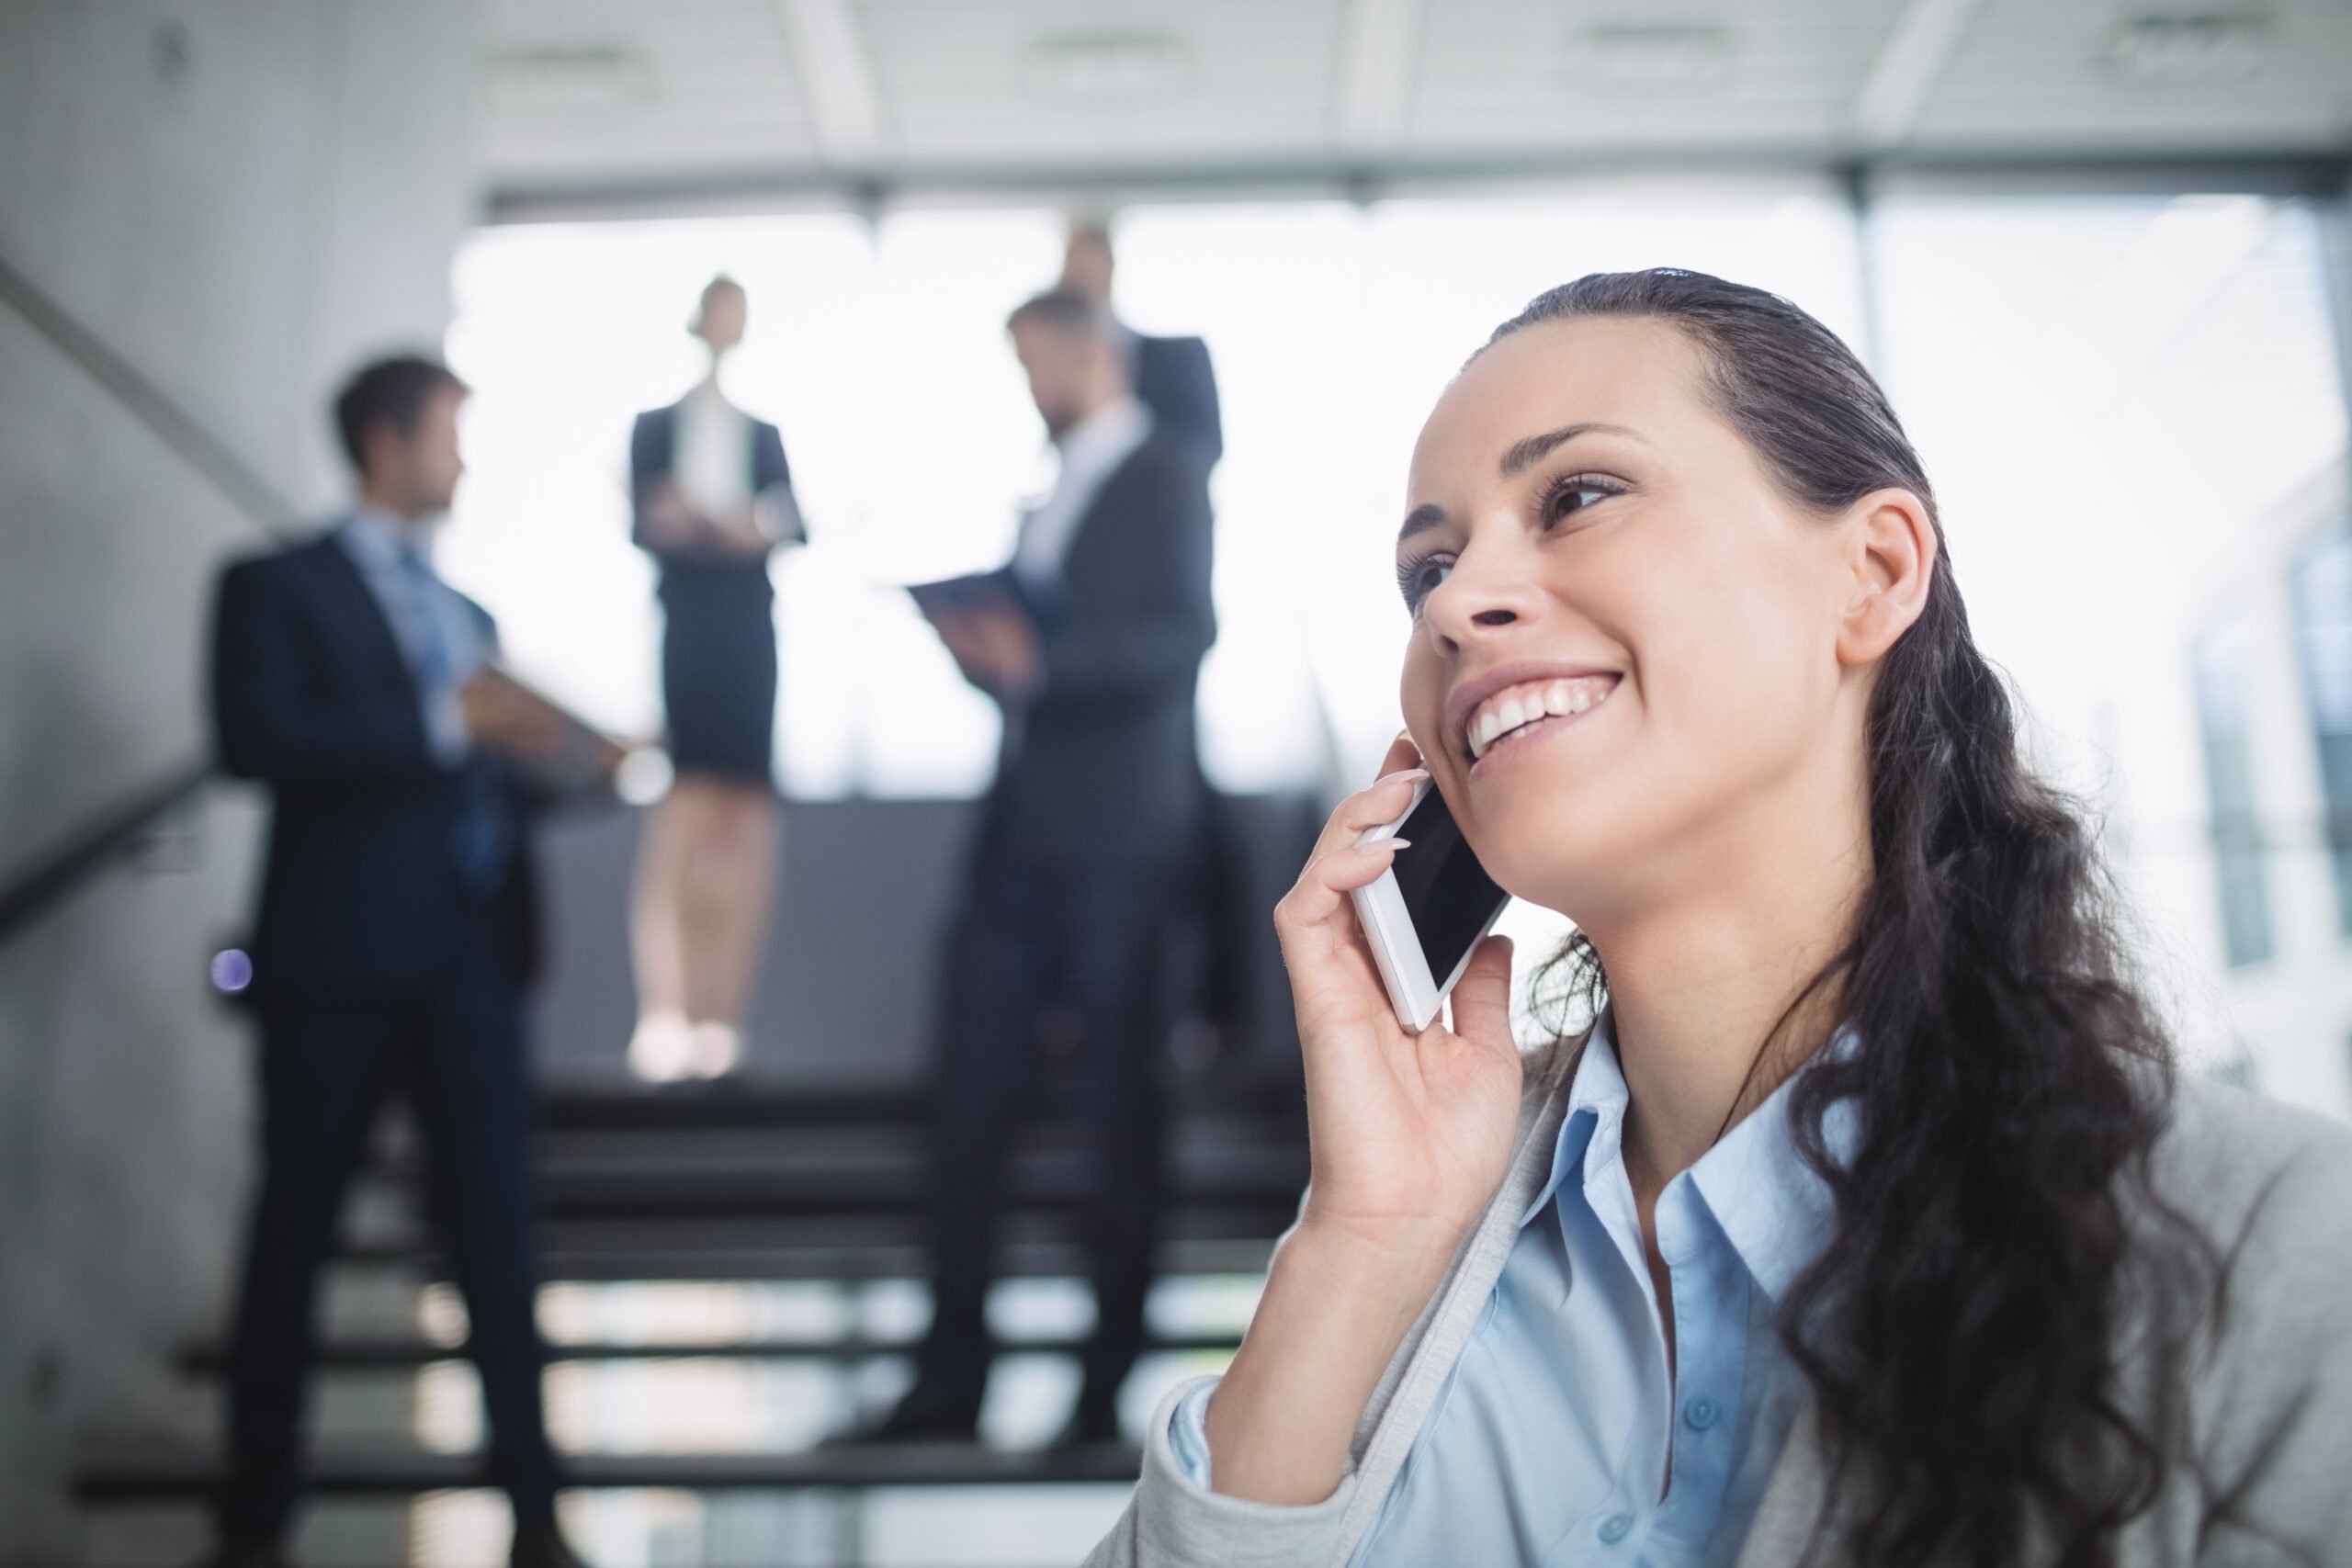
1411, 775
1388, 843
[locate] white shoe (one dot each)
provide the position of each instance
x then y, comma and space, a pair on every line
717, 1049
662, 1049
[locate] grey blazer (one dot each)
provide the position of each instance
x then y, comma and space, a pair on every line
2271, 1402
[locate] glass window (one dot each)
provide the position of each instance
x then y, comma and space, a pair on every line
879, 351
2110, 393
2222, 659
2322, 590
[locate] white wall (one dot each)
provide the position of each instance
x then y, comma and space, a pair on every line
241, 197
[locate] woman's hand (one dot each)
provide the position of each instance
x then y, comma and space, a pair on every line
669, 520
1410, 1135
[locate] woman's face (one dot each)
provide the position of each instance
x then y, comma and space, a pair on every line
724, 313
1625, 658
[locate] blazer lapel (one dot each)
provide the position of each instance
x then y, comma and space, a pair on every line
1077, 554
351, 609
1790, 1509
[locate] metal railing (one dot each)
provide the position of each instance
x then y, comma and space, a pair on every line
50, 874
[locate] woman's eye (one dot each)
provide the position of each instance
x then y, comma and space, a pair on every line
1417, 580
1570, 496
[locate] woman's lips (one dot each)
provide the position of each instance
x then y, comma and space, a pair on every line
1524, 706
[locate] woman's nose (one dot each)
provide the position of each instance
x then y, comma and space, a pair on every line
1485, 595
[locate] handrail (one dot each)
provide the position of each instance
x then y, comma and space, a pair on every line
261, 502
56, 871
98, 842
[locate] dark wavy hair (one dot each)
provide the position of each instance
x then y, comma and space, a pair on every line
1960, 1329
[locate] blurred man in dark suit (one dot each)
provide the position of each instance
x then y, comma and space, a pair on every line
1169, 375
1091, 641
1173, 376
396, 930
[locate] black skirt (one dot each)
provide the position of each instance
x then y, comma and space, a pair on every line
718, 668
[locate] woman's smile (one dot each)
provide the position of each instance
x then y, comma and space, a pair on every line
1503, 725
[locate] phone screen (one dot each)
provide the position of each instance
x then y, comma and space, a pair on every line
1447, 892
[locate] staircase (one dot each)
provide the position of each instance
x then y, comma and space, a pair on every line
734, 1274
770, 1241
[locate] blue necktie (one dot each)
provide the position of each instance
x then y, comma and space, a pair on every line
484, 832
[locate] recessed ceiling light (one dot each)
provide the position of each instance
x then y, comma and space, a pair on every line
1650, 56
2193, 50
587, 76
1109, 66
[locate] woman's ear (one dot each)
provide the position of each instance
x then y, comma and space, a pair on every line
1891, 554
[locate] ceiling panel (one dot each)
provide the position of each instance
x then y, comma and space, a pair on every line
1510, 74
705, 91
2031, 74
710, 87
979, 81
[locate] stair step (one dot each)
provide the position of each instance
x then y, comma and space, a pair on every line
689, 1175
123, 1478
210, 1357
855, 1247
849, 1252
564, 1107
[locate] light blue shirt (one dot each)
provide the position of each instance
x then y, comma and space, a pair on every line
1562, 1437
440, 635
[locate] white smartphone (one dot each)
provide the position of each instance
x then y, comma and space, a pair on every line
1427, 910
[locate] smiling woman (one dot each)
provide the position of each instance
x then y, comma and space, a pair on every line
1869, 1222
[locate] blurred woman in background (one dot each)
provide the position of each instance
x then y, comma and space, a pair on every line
713, 498
1866, 1221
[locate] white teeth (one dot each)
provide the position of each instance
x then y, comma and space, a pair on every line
1508, 711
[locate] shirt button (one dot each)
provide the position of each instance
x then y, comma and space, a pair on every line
1616, 1528
1702, 1413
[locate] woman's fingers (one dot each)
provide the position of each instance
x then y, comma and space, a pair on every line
1402, 754
1481, 998
1375, 806
1356, 866
1307, 919
1310, 921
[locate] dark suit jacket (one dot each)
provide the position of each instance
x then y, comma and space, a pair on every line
652, 457
1099, 762
1174, 379
312, 696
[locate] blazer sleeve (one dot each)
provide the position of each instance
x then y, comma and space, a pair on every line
1175, 1522
2278, 1444
1151, 638
1177, 380
770, 474
649, 462
268, 727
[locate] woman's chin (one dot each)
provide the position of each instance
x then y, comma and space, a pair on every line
1579, 862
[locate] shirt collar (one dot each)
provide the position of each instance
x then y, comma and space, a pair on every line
377, 539
1774, 1208
1104, 436
1770, 1205
1593, 1122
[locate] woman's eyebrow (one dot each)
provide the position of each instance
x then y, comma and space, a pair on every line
1523, 454
1526, 452
1421, 519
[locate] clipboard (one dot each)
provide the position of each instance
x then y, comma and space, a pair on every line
584, 759
975, 592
